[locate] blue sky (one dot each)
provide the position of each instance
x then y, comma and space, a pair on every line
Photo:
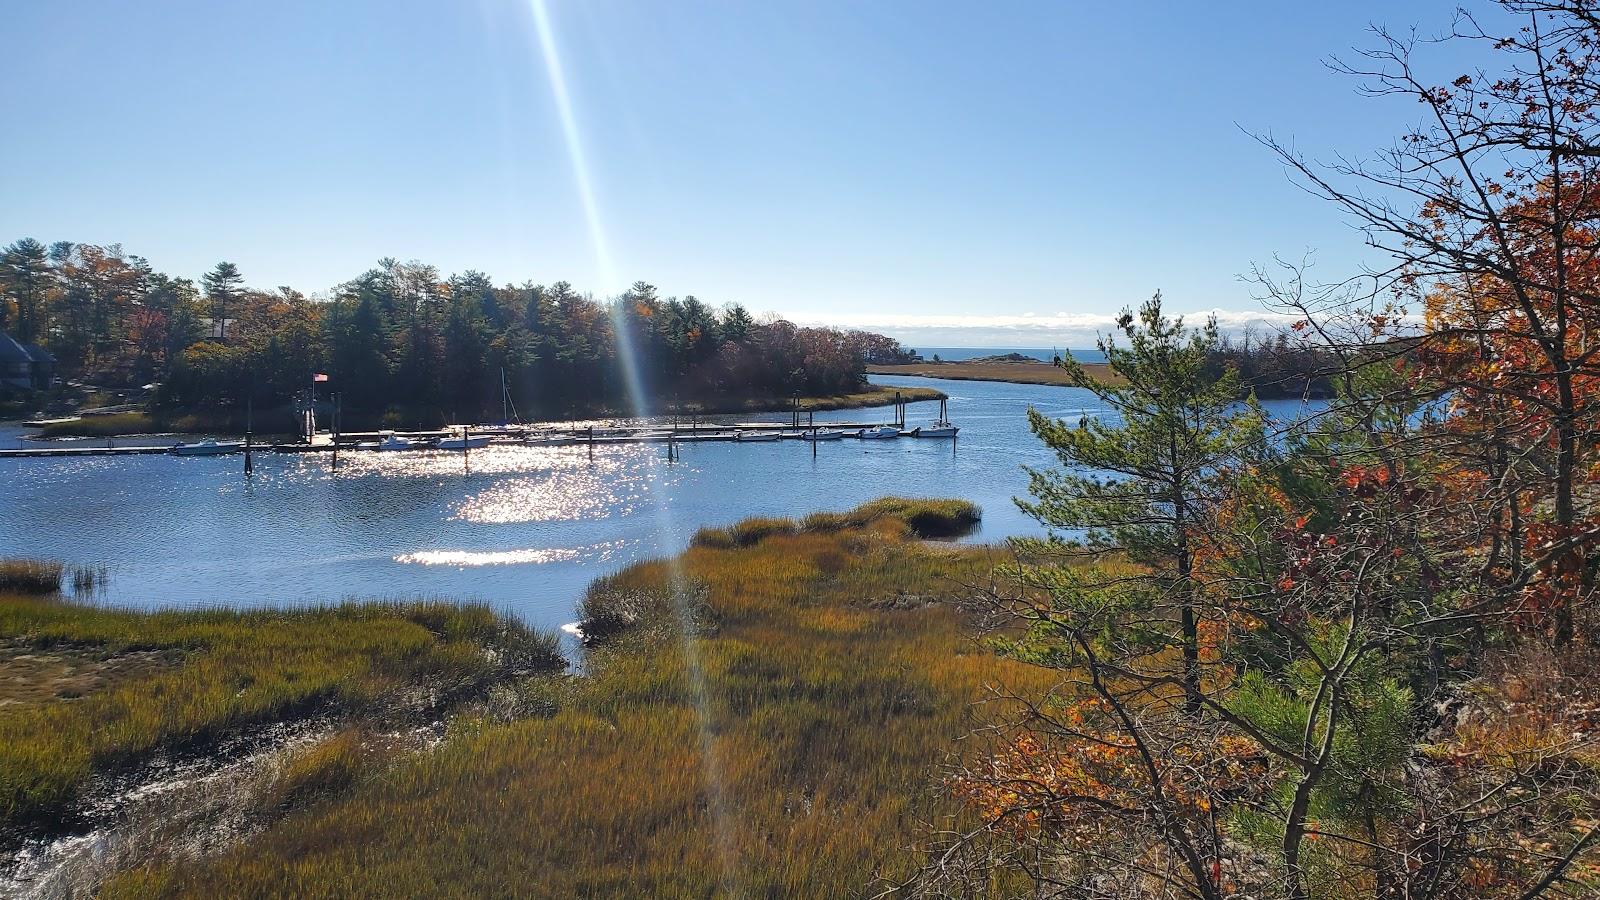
942, 171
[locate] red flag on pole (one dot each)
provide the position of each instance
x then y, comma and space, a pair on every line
319, 377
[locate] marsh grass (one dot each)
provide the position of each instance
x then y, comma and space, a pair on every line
232, 668
980, 370
924, 518
324, 769
758, 723
29, 576
103, 426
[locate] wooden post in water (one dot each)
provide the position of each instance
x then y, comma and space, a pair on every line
335, 429
814, 442
466, 448
591, 442
249, 421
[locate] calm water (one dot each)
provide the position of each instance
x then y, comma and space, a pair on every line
525, 530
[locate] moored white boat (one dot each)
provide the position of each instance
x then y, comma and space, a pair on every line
882, 432
396, 442
207, 447
822, 434
463, 443
757, 436
941, 427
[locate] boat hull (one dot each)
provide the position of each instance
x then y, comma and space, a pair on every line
207, 449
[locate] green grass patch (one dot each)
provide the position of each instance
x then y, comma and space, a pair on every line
763, 721
234, 668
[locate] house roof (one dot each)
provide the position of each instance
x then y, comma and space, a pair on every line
15, 351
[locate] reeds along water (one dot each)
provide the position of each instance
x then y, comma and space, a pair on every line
30, 576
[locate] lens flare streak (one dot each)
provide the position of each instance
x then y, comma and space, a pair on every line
637, 395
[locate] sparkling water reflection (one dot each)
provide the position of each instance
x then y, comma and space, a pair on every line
523, 528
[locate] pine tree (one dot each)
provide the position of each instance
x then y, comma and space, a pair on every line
25, 278
1169, 427
222, 285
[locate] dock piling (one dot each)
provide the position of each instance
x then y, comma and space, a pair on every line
249, 425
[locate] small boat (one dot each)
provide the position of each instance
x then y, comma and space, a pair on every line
463, 443
396, 442
655, 434
757, 436
880, 433
556, 438
207, 447
822, 434
939, 429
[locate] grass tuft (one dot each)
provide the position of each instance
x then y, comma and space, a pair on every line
29, 576
325, 769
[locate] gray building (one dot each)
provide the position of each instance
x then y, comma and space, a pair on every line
27, 367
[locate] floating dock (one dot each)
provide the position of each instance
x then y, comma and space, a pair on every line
86, 451
529, 437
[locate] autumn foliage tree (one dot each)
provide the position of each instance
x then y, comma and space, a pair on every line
1392, 594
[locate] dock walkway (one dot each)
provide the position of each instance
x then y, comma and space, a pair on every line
533, 436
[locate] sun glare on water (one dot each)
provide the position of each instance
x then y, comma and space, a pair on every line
531, 556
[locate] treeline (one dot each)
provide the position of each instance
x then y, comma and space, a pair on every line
1275, 367
402, 337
